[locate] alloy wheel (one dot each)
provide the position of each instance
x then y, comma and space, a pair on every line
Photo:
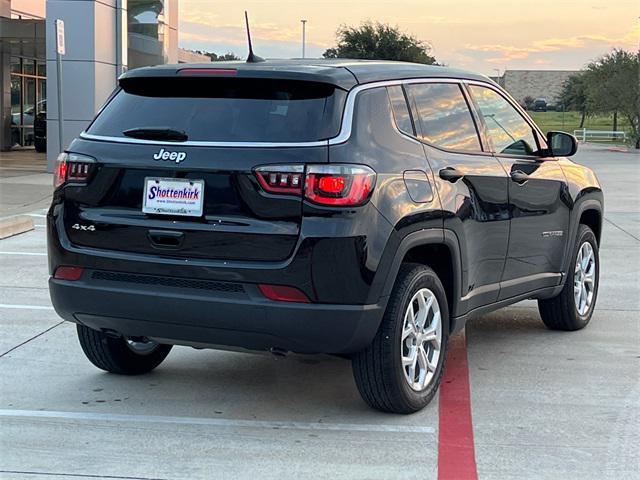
421, 339
584, 279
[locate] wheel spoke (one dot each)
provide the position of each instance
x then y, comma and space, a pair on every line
423, 312
432, 334
409, 319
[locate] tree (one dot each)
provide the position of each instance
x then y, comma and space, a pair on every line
378, 41
574, 96
528, 100
612, 86
220, 58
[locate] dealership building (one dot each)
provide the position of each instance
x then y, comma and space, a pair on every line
102, 39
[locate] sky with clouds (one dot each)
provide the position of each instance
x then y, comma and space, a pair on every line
480, 35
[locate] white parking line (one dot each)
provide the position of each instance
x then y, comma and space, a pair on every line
39, 215
25, 307
214, 422
34, 254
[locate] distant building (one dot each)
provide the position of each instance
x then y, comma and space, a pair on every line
545, 84
189, 56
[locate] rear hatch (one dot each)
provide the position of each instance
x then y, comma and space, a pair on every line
175, 161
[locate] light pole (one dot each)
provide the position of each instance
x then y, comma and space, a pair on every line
304, 35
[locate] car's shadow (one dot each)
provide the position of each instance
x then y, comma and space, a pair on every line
296, 388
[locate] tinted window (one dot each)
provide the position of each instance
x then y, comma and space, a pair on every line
508, 131
228, 110
444, 116
400, 110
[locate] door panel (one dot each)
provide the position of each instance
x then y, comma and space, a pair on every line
475, 208
538, 200
539, 225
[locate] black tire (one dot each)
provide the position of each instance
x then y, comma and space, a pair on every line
114, 355
378, 370
560, 312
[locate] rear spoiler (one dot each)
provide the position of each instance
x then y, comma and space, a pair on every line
337, 76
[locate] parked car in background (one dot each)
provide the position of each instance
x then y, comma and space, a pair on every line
40, 130
539, 105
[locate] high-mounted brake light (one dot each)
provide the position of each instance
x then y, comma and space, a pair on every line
337, 185
72, 168
207, 71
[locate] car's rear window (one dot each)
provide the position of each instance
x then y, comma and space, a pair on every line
225, 109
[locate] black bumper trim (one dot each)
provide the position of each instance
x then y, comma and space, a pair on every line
206, 318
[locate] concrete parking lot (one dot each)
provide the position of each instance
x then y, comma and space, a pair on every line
548, 405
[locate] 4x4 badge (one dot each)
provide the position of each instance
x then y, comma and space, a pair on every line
173, 156
89, 228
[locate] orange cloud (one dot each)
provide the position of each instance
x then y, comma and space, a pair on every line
506, 53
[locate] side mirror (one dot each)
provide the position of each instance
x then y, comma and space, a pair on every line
561, 144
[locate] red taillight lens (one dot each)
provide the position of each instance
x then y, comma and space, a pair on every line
60, 173
281, 178
282, 293
339, 185
332, 185
67, 272
72, 167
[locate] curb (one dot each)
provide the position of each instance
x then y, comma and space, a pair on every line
15, 225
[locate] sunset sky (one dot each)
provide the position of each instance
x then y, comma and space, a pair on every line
478, 35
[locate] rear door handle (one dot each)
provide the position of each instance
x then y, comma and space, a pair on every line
519, 177
450, 174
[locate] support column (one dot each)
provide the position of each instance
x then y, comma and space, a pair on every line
5, 100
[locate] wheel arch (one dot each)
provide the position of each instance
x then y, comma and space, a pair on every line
438, 249
588, 211
592, 218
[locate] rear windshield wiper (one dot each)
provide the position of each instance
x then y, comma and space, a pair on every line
156, 133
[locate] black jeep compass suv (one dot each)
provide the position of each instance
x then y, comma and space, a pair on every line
365, 209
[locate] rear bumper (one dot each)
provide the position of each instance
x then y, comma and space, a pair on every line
214, 314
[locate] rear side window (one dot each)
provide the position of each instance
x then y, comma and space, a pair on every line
444, 117
400, 110
225, 110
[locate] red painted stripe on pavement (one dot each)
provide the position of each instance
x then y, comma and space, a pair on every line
456, 452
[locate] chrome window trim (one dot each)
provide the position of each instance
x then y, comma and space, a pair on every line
195, 143
342, 137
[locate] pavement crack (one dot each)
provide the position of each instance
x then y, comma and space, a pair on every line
78, 475
622, 229
30, 339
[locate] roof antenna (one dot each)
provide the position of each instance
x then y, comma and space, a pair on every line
252, 58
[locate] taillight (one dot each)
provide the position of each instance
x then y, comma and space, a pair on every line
331, 185
281, 178
339, 185
72, 168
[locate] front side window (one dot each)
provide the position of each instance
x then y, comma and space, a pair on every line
507, 130
444, 117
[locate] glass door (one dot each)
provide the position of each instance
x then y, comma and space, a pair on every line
28, 99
